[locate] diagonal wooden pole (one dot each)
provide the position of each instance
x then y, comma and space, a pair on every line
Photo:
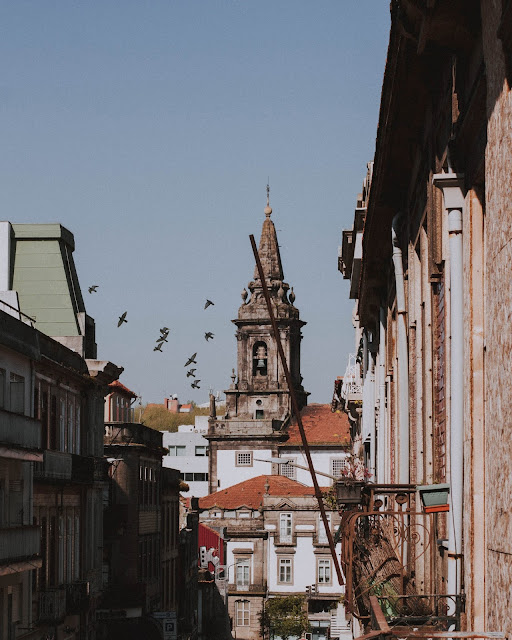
296, 412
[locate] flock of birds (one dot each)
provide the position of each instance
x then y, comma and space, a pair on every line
162, 338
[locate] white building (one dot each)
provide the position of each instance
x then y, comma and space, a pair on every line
188, 452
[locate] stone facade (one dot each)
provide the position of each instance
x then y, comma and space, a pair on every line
441, 162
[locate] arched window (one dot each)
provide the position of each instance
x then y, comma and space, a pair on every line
259, 359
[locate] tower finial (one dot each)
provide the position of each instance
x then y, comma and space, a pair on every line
268, 208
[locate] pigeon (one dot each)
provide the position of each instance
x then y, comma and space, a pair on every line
191, 360
208, 336
208, 303
159, 347
164, 330
122, 319
162, 339
190, 372
93, 288
194, 385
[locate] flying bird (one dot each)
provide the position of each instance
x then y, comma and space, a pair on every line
164, 330
162, 339
122, 319
208, 336
191, 360
93, 288
194, 385
208, 303
159, 347
191, 372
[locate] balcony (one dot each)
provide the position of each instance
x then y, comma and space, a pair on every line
19, 543
19, 431
52, 605
55, 466
77, 597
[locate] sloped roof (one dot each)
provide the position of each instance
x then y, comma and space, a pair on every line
119, 386
322, 427
250, 492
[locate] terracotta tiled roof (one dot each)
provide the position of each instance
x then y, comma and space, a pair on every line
321, 425
119, 386
250, 492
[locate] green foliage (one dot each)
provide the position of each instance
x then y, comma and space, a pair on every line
159, 418
285, 616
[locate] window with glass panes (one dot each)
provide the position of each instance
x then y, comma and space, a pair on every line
337, 466
285, 527
243, 613
285, 570
288, 470
322, 534
243, 570
324, 571
244, 458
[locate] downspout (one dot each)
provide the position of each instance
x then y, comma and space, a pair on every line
403, 364
381, 450
450, 184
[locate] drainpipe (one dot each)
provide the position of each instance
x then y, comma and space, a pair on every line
381, 451
451, 185
403, 364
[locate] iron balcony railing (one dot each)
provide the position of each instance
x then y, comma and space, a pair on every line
352, 388
52, 605
18, 543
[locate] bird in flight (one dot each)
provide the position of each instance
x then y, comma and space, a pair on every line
164, 330
162, 339
194, 385
190, 372
122, 319
158, 347
93, 288
191, 360
208, 303
208, 336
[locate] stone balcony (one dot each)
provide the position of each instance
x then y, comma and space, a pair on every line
19, 543
19, 431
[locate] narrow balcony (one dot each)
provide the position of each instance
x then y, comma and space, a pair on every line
19, 431
77, 597
19, 543
52, 605
56, 465
88, 469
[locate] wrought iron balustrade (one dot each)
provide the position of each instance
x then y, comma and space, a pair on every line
52, 605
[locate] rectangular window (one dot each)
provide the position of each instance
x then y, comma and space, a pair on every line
200, 477
77, 427
322, 534
324, 571
201, 451
17, 393
177, 450
243, 613
76, 560
189, 477
244, 458
2, 388
285, 570
288, 470
71, 431
285, 527
260, 413
62, 425
243, 572
337, 466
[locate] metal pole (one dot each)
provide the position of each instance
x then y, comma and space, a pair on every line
296, 411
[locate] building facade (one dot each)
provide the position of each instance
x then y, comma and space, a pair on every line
430, 272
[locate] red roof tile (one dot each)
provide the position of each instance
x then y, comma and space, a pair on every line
119, 386
321, 425
250, 492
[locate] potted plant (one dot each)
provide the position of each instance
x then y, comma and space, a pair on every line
434, 497
353, 478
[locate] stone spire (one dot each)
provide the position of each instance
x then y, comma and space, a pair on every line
269, 249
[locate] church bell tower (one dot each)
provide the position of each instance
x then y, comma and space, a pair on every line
258, 403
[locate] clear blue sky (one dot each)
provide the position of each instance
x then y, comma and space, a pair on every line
149, 128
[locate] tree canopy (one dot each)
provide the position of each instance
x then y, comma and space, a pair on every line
285, 616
